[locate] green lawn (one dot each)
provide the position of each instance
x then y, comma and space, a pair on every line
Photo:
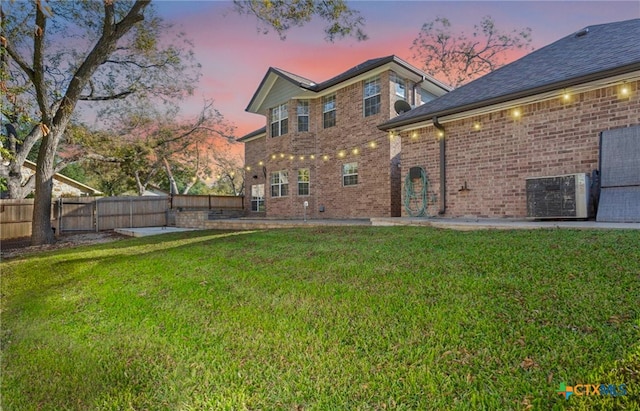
349, 318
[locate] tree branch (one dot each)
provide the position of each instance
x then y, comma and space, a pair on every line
121, 95
18, 59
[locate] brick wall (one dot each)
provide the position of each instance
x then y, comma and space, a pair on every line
253, 155
550, 138
371, 197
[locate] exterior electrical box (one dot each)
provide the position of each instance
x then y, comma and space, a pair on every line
558, 197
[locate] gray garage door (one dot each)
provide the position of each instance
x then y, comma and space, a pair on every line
620, 175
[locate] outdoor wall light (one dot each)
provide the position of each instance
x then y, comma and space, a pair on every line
325, 157
477, 126
516, 113
624, 90
373, 144
355, 151
260, 163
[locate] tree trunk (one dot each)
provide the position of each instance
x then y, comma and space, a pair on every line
41, 230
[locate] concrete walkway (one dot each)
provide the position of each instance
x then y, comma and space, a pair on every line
146, 231
461, 224
465, 224
448, 223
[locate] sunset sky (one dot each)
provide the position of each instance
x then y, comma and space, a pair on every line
235, 55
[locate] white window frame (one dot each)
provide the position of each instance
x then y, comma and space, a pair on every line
303, 112
280, 183
329, 108
304, 181
279, 120
349, 171
371, 100
400, 86
257, 198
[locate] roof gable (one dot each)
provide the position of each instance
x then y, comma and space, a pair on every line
288, 85
593, 53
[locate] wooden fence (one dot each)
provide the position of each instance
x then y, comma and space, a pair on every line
106, 213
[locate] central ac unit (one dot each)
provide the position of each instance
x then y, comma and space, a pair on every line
563, 196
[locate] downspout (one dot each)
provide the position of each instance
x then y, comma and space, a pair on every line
414, 100
443, 168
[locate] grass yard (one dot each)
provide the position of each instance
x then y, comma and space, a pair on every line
353, 318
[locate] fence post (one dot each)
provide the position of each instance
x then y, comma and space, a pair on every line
131, 212
97, 216
209, 201
60, 202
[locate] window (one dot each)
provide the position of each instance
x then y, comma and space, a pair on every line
399, 86
303, 182
257, 197
279, 184
329, 111
349, 174
279, 120
371, 96
303, 116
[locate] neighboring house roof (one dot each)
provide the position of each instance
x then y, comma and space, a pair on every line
261, 132
65, 180
304, 87
593, 53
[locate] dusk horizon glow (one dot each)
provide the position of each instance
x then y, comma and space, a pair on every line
235, 54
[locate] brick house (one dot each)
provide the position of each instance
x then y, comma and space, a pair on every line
321, 145
541, 115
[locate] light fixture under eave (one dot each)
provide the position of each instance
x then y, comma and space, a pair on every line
477, 126
373, 144
624, 90
516, 113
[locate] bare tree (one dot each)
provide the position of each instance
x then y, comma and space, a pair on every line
148, 143
457, 58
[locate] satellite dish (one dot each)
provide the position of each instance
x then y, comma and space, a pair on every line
401, 106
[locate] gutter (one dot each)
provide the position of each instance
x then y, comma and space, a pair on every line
443, 167
628, 69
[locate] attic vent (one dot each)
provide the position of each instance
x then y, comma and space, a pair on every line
583, 32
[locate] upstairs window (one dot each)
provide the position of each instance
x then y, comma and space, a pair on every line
371, 96
303, 182
349, 174
303, 115
279, 183
279, 120
329, 111
399, 86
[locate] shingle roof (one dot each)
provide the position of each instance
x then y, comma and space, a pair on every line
352, 72
590, 54
255, 133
